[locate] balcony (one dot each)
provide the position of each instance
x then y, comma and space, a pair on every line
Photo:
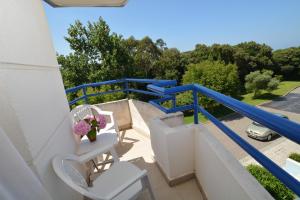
187, 161
183, 161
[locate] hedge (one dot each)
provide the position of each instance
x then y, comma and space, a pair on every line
277, 189
295, 156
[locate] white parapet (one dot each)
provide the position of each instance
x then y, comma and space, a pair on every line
173, 146
220, 174
184, 150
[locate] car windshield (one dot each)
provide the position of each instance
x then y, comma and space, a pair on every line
257, 124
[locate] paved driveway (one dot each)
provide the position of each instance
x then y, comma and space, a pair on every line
290, 102
239, 124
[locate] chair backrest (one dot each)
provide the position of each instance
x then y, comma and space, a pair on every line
80, 112
64, 167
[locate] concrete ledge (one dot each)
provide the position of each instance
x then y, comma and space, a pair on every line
177, 180
217, 170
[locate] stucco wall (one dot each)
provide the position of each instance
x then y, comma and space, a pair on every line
182, 150
132, 114
120, 111
36, 113
220, 174
173, 145
141, 114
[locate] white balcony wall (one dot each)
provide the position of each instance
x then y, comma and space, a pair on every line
121, 112
173, 146
220, 174
141, 115
132, 114
181, 150
34, 108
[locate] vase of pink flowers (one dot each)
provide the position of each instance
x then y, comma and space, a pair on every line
89, 126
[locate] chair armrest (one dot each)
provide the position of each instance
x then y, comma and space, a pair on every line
130, 182
92, 154
103, 112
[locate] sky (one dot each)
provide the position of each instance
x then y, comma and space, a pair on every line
183, 24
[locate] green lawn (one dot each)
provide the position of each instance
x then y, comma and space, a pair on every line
190, 119
284, 87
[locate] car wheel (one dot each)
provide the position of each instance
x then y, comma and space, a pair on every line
269, 137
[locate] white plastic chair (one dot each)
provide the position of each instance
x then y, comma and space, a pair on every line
120, 182
106, 137
82, 111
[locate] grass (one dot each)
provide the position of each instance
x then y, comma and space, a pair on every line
190, 119
283, 88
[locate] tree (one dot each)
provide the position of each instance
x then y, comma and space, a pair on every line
74, 69
215, 75
260, 80
288, 60
160, 43
145, 57
108, 57
251, 56
199, 54
222, 52
169, 65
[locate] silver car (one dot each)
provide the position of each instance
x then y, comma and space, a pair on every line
260, 132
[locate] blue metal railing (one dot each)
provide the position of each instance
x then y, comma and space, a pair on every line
126, 89
167, 90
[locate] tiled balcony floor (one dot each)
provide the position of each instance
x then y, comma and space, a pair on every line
136, 149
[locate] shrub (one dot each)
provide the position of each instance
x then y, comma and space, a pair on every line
277, 189
295, 156
261, 80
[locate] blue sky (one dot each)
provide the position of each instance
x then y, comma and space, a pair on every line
182, 24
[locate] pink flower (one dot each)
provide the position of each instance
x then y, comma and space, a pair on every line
82, 128
90, 118
101, 121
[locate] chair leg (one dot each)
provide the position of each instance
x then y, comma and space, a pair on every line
114, 154
146, 184
95, 165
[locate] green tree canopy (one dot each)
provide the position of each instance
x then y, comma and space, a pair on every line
107, 54
215, 75
74, 69
260, 80
288, 60
146, 55
251, 56
98, 54
169, 65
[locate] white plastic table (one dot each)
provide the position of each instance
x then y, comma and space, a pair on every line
105, 142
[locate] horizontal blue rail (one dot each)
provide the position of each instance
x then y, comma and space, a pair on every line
126, 89
166, 90
282, 126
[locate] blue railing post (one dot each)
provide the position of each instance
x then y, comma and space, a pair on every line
174, 101
84, 94
195, 97
126, 88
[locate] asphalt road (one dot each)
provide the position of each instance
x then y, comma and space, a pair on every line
289, 106
290, 102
